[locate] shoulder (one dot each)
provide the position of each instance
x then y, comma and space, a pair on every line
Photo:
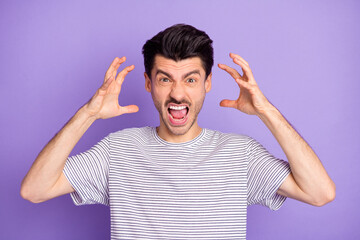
227, 138
132, 131
131, 134
218, 135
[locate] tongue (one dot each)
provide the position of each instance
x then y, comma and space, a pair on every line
178, 114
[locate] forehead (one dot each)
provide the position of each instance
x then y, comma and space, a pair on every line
177, 67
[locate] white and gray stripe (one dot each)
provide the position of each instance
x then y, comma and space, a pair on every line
194, 190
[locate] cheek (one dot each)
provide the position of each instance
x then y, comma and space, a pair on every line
199, 100
159, 96
197, 94
160, 92
156, 93
157, 103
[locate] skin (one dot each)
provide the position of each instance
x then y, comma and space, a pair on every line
181, 82
308, 181
45, 179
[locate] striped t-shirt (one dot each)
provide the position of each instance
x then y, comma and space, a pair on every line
193, 190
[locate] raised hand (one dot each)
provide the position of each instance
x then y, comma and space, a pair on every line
105, 103
251, 100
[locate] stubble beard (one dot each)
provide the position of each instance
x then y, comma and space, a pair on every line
178, 131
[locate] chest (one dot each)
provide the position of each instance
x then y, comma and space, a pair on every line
171, 190
174, 177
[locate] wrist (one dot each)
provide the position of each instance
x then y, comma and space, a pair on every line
84, 114
271, 117
266, 110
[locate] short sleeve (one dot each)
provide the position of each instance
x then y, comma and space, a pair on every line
87, 172
265, 175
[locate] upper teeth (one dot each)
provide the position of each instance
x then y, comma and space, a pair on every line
177, 107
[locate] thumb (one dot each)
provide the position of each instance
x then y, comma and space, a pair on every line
228, 103
129, 109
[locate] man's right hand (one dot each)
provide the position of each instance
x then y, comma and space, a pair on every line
45, 179
105, 103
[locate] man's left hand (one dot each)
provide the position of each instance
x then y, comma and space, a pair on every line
251, 100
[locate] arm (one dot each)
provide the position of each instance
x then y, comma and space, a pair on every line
308, 181
45, 179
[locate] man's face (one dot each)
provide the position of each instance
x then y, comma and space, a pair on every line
178, 90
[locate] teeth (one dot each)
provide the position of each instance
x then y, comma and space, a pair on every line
177, 107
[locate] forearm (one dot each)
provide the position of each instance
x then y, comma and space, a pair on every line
48, 166
307, 170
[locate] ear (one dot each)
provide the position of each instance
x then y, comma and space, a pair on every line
147, 82
208, 83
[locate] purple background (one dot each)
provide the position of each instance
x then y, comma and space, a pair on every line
304, 55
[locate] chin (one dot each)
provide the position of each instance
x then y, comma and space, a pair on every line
173, 122
179, 130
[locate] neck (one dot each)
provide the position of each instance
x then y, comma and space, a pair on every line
169, 136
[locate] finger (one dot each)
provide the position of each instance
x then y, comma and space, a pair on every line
114, 66
243, 83
121, 76
230, 70
129, 109
228, 103
233, 55
106, 84
246, 70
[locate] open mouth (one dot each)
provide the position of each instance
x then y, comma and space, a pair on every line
178, 114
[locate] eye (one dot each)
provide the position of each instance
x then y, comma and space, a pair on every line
164, 80
190, 80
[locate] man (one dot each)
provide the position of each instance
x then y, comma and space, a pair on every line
178, 180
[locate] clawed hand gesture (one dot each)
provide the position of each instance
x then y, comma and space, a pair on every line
251, 100
105, 103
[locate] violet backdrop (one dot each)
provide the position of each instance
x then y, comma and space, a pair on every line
304, 56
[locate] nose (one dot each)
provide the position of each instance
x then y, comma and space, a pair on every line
177, 91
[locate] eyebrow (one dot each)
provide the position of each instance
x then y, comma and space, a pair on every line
159, 71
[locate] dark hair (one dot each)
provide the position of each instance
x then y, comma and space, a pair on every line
179, 42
